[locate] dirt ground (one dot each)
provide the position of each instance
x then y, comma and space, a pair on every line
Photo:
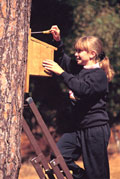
27, 171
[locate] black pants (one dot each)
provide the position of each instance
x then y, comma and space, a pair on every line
92, 144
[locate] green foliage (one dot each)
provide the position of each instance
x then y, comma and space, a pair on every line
76, 18
100, 19
96, 18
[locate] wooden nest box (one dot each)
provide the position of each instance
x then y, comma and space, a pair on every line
37, 52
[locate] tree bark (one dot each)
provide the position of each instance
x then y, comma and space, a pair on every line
14, 28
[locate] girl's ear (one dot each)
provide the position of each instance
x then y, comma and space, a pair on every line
92, 54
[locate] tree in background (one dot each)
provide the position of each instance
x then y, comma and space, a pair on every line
14, 26
102, 19
76, 18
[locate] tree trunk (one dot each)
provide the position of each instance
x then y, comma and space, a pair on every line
14, 27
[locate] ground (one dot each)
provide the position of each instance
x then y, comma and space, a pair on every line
27, 171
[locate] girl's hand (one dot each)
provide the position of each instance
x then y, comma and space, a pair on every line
55, 31
52, 67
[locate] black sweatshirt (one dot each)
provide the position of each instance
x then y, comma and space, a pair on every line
91, 88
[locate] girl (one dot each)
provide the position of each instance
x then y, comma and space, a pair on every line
87, 78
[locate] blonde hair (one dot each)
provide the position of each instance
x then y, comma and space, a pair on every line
92, 43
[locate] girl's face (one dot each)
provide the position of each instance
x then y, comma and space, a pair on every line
82, 57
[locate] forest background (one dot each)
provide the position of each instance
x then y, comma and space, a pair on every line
74, 18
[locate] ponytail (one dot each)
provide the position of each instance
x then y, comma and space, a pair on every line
92, 43
105, 65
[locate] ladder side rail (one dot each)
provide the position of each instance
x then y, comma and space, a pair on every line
57, 171
31, 137
34, 144
43, 127
48, 137
37, 161
40, 159
60, 161
38, 169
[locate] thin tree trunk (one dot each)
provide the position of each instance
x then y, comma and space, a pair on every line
14, 27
